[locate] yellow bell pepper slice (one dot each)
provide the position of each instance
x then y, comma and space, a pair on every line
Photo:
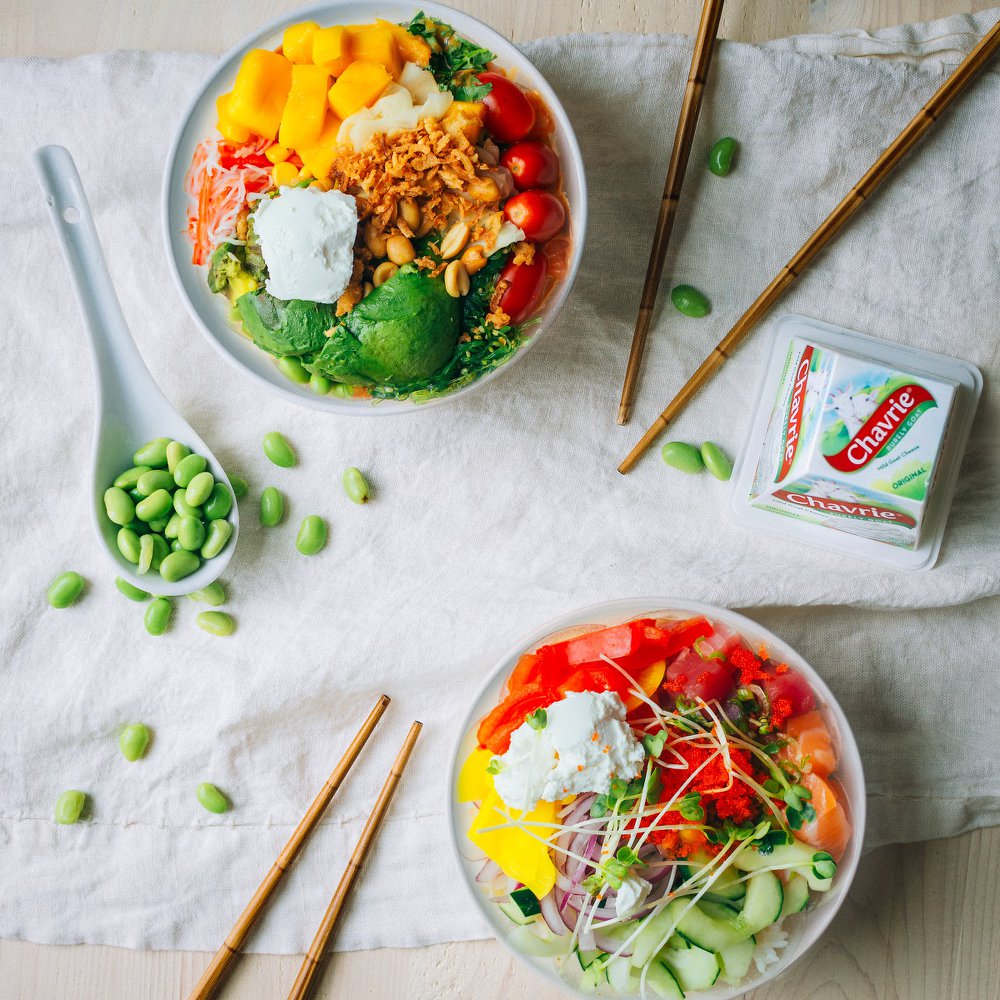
319, 156
649, 678
228, 129
331, 49
305, 110
297, 41
375, 43
260, 91
359, 86
474, 781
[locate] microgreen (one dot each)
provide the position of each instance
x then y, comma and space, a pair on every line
614, 871
653, 744
823, 865
538, 719
495, 766
690, 807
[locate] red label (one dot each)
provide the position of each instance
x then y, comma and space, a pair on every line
884, 429
793, 421
844, 508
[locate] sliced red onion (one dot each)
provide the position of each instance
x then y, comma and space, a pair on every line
579, 810
550, 913
610, 945
586, 941
488, 872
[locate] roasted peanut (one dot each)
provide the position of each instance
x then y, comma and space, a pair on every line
483, 189
409, 213
374, 240
454, 240
384, 272
456, 279
399, 250
474, 259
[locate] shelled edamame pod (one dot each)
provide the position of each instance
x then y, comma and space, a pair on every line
65, 589
689, 301
278, 450
355, 485
722, 156
312, 535
157, 617
213, 594
716, 461
272, 507
133, 740
69, 806
682, 456
211, 798
216, 623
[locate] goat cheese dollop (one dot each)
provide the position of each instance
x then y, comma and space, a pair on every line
631, 895
584, 745
307, 241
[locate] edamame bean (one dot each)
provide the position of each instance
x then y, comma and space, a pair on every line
210, 797
292, 369
716, 461
128, 544
69, 806
191, 533
219, 533
342, 390
689, 301
182, 507
179, 564
172, 526
239, 485
320, 384
272, 507
136, 495
65, 589
139, 527
152, 453
155, 479
133, 740
175, 546
145, 553
157, 616
119, 506
159, 525
175, 453
219, 503
312, 535
278, 450
188, 468
161, 549
154, 506
356, 486
213, 594
130, 477
216, 622
683, 456
199, 489
132, 593
722, 155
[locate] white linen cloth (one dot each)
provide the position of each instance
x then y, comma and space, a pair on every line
491, 514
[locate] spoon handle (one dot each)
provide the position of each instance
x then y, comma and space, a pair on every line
121, 373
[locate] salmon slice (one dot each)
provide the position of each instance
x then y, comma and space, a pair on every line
812, 740
831, 830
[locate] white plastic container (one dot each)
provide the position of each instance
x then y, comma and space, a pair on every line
855, 443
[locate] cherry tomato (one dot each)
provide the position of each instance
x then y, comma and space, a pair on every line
510, 116
525, 287
698, 678
538, 214
532, 164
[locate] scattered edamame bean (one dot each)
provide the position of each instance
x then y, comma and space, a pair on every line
187, 468
219, 532
715, 461
155, 479
69, 806
219, 503
320, 384
356, 486
157, 616
216, 622
132, 593
689, 301
191, 533
722, 156
211, 798
239, 485
128, 544
118, 506
133, 740
683, 456
145, 554
292, 369
272, 507
179, 564
199, 489
65, 589
175, 545
154, 506
130, 477
278, 450
213, 594
176, 452
152, 453
312, 535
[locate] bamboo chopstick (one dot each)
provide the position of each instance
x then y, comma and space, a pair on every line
701, 59
311, 963
960, 78
222, 959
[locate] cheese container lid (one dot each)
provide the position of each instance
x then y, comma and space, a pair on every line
855, 443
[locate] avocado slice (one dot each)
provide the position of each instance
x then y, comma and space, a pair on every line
285, 328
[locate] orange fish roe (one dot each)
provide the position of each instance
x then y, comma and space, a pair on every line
781, 668
781, 709
747, 664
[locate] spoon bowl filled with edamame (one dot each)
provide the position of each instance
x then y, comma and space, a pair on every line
161, 502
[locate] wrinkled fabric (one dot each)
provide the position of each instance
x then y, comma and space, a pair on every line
490, 515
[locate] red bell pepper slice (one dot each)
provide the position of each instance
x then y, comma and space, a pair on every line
597, 677
679, 635
526, 671
613, 642
496, 729
227, 160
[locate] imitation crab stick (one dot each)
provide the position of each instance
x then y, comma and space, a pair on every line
831, 829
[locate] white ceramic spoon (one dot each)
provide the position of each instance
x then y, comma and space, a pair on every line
131, 409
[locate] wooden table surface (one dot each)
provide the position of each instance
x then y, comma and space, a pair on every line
923, 922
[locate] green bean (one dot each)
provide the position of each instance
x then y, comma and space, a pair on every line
130, 477
722, 155
292, 369
161, 549
65, 589
173, 525
179, 564
152, 453
278, 450
716, 461
312, 535
689, 301
188, 468
145, 553
216, 622
211, 798
154, 506
157, 616
182, 507
239, 485
219, 503
155, 479
272, 507
683, 456
132, 593
213, 594
133, 740
320, 384
69, 805
191, 533
356, 486
128, 544
119, 506
219, 533
199, 489
175, 453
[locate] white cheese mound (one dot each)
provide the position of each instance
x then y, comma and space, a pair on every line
631, 895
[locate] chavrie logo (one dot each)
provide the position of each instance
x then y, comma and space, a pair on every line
885, 428
793, 419
863, 512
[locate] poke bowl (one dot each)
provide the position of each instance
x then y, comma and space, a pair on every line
374, 205
657, 798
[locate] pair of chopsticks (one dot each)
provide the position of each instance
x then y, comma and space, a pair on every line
953, 86
226, 955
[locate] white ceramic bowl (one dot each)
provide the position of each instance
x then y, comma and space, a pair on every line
210, 311
803, 929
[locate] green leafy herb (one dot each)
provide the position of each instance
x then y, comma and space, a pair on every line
537, 719
455, 61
